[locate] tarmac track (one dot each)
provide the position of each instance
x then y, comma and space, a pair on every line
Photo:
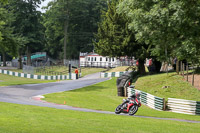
30, 95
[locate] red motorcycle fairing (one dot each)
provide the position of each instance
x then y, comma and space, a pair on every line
129, 105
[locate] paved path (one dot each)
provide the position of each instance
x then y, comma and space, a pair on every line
26, 94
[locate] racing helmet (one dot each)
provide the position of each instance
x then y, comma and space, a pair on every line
137, 94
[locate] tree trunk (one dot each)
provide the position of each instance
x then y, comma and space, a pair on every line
20, 62
177, 66
158, 65
28, 56
187, 71
193, 76
4, 59
181, 68
65, 42
141, 67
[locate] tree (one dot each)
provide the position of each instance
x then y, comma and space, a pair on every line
116, 39
27, 26
170, 26
81, 18
3, 1
7, 41
1, 25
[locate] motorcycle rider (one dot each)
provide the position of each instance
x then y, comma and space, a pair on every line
136, 95
132, 98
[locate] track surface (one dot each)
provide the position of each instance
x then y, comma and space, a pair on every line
27, 94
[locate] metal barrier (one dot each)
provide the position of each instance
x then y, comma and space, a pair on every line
43, 77
112, 74
184, 106
148, 99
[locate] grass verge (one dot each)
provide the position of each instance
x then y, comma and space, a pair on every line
32, 119
87, 71
103, 96
119, 69
168, 86
84, 71
48, 70
7, 80
125, 68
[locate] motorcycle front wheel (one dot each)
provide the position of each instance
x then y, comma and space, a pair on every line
133, 110
118, 109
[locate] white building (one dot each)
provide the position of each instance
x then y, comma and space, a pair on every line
95, 60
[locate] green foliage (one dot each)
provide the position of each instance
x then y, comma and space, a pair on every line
1, 27
7, 38
170, 26
80, 17
4, 1
2, 23
27, 25
114, 38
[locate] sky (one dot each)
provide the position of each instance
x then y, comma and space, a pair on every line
43, 4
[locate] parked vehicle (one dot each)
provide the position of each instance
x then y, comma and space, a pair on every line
129, 105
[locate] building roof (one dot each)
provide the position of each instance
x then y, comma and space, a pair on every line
89, 54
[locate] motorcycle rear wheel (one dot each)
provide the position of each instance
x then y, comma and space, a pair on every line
118, 109
133, 110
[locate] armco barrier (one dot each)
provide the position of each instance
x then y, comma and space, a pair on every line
148, 99
111, 74
42, 77
184, 106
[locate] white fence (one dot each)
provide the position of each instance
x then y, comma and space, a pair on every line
148, 99
42, 77
112, 74
184, 106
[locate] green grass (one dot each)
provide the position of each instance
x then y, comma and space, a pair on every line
178, 88
103, 96
119, 69
32, 119
16, 70
123, 68
53, 70
8, 80
86, 71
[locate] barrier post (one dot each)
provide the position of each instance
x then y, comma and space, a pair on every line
164, 104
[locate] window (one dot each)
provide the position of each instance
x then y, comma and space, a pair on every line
113, 59
95, 59
92, 59
100, 58
88, 58
106, 59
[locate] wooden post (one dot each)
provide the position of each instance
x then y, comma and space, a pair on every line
177, 66
193, 76
187, 71
164, 104
183, 69
167, 68
125, 91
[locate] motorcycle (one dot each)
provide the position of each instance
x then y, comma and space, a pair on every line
129, 105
